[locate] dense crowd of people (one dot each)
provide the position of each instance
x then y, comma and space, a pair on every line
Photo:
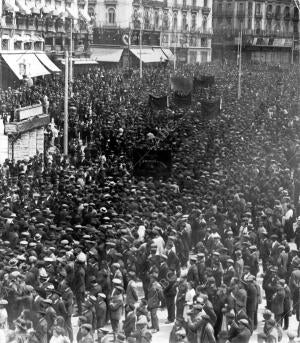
80, 233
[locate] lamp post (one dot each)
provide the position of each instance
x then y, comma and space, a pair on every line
240, 65
71, 58
141, 38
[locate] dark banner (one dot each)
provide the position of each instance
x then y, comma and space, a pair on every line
204, 81
182, 85
158, 101
210, 108
182, 99
155, 163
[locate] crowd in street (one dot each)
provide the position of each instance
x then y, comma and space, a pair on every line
80, 233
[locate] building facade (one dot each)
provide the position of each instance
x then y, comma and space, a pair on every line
270, 29
38, 25
182, 26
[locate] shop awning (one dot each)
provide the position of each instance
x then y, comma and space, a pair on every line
10, 6
169, 54
106, 55
84, 15
26, 63
36, 38
147, 55
80, 61
18, 38
160, 53
71, 13
47, 62
47, 9
35, 10
23, 7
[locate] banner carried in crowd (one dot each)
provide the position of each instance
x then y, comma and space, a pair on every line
204, 81
181, 84
158, 101
182, 99
155, 163
210, 108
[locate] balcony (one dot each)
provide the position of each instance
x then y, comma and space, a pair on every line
258, 15
205, 10
81, 2
31, 23
8, 22
278, 16
40, 24
269, 15
21, 23
218, 14
228, 13
92, 2
110, 2
287, 17
296, 18
241, 14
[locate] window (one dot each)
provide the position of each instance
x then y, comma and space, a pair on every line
193, 56
194, 21
204, 56
17, 45
205, 3
184, 21
269, 9
204, 42
257, 8
204, 25
250, 8
156, 19
111, 16
4, 44
249, 23
27, 46
175, 21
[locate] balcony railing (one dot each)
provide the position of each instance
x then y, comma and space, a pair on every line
287, 16
241, 14
92, 2
205, 10
194, 8
228, 13
110, 2
269, 15
258, 15
278, 16
296, 18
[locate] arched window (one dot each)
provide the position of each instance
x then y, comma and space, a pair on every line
175, 21
269, 9
91, 11
111, 16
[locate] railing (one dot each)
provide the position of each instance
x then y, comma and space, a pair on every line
278, 16
241, 14
205, 10
287, 16
269, 15
110, 2
258, 15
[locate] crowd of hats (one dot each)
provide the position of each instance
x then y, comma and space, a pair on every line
232, 170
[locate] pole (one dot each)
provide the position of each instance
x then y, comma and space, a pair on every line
71, 58
292, 57
66, 104
141, 63
129, 33
240, 66
175, 52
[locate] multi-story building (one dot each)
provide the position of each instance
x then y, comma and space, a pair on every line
183, 27
30, 27
270, 29
43, 24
